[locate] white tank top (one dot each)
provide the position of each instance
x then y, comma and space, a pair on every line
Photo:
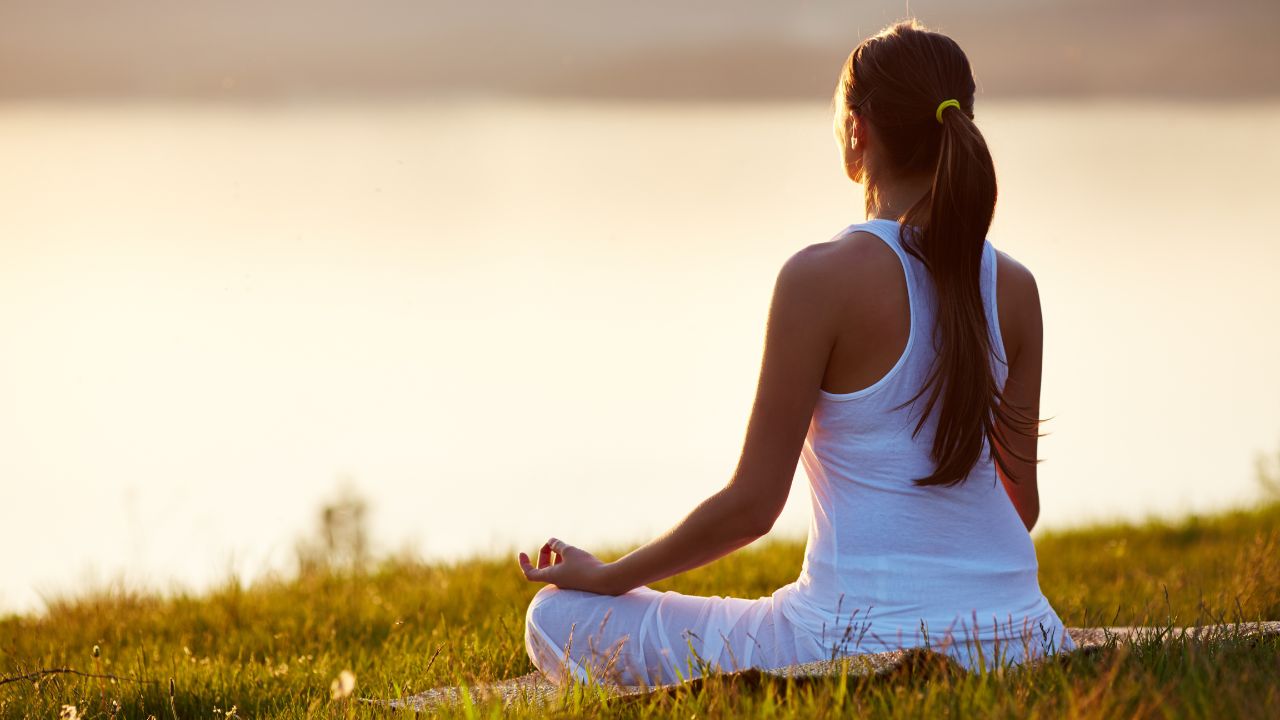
889, 564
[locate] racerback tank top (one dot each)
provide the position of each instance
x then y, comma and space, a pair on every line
889, 564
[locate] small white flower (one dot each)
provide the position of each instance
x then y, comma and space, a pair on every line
343, 685
69, 712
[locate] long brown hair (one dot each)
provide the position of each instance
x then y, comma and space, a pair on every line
897, 80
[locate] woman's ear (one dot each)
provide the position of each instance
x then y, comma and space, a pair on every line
854, 147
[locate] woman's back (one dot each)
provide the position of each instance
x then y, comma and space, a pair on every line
890, 563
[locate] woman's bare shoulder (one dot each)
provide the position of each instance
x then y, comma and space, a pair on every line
1016, 284
832, 279
1018, 305
850, 262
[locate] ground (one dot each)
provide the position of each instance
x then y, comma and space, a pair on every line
279, 648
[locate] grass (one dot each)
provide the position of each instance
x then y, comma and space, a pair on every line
273, 648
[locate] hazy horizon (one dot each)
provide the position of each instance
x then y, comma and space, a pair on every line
720, 49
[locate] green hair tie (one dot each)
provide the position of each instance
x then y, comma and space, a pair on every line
943, 106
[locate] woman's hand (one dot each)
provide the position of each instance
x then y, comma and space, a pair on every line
570, 568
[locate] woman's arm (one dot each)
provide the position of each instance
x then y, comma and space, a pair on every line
798, 341
1022, 389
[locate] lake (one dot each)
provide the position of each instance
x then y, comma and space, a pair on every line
502, 319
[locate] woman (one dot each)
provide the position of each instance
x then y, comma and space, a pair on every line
902, 367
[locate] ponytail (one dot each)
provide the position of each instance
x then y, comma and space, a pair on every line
921, 80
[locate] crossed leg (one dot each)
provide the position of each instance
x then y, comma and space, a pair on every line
646, 638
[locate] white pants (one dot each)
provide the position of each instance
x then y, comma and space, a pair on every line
646, 637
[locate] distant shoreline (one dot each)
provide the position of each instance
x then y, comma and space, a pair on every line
721, 49
294, 101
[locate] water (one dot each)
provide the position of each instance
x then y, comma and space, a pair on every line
507, 319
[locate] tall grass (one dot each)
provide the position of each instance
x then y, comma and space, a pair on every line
272, 649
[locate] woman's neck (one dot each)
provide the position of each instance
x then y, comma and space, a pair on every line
890, 200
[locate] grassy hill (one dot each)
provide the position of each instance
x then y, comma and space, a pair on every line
272, 649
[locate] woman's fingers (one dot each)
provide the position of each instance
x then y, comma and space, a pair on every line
546, 556
526, 567
531, 572
560, 547
551, 553
550, 566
